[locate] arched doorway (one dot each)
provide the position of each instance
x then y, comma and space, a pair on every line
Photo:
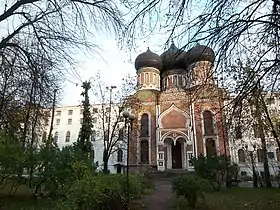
176, 151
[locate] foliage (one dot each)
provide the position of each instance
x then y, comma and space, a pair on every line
190, 186
57, 170
12, 162
111, 126
213, 168
101, 192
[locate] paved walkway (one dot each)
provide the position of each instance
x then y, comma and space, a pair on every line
161, 198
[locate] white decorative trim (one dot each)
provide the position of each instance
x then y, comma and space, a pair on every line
175, 138
149, 138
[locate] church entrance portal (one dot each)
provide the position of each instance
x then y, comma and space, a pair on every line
176, 151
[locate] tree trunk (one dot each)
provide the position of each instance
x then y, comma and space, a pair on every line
267, 180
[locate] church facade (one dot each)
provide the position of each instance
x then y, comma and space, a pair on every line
179, 115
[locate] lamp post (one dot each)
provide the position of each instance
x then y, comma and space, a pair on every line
129, 117
105, 151
251, 154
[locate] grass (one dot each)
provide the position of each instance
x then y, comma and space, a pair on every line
236, 198
22, 200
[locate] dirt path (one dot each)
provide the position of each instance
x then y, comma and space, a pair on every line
161, 198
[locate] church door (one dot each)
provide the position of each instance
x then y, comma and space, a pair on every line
176, 155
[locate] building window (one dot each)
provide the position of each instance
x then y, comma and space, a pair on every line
67, 138
106, 119
55, 137
70, 112
144, 125
94, 120
278, 154
155, 78
175, 81
210, 147
58, 113
160, 156
238, 132
243, 173
189, 158
120, 134
270, 155
93, 136
81, 121
70, 121
260, 155
120, 155
94, 110
241, 156
44, 137
108, 109
208, 123
144, 152
270, 100
257, 133
57, 121
147, 77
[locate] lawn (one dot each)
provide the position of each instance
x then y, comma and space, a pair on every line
22, 200
237, 198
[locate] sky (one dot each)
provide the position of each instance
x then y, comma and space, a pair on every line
113, 64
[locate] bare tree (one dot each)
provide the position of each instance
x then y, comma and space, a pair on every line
113, 103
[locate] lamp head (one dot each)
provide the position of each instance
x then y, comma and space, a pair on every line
126, 114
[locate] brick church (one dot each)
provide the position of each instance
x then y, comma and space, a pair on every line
180, 113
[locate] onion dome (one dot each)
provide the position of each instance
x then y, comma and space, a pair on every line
200, 53
148, 59
173, 58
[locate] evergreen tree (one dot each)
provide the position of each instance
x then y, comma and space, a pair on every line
84, 142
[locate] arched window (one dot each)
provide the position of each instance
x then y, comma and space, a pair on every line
120, 155
208, 123
144, 150
260, 155
144, 125
241, 156
120, 137
147, 79
175, 81
44, 137
278, 154
55, 137
93, 135
67, 138
210, 147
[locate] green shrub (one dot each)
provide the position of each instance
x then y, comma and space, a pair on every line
191, 187
214, 169
58, 169
102, 192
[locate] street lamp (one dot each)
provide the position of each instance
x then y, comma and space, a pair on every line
251, 153
129, 117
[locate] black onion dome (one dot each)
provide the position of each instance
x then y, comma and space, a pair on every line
200, 53
148, 59
173, 58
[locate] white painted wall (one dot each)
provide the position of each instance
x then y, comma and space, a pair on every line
74, 129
